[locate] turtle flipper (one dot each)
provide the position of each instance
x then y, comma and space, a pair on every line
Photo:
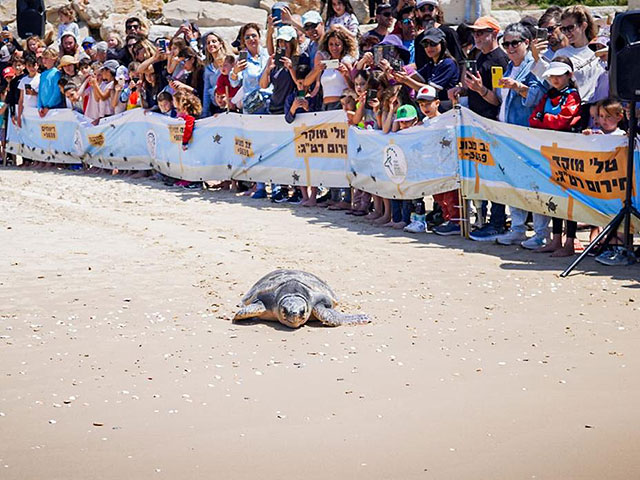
333, 318
252, 310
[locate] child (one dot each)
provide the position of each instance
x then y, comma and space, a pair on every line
224, 84
609, 114
165, 105
67, 17
188, 107
104, 91
49, 95
559, 110
28, 87
340, 12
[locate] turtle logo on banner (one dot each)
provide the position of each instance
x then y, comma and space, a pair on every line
78, 148
152, 143
394, 163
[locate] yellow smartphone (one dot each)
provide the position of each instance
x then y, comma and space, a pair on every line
496, 74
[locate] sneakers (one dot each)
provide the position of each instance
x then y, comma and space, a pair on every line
534, 242
280, 196
294, 199
511, 238
416, 226
447, 228
617, 256
488, 233
262, 193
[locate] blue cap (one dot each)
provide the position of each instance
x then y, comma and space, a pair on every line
88, 40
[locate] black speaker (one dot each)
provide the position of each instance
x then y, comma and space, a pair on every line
31, 18
624, 55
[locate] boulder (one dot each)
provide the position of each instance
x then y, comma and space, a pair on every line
7, 12
506, 17
634, 4
114, 22
94, 12
228, 34
266, 5
52, 7
246, 3
211, 14
454, 10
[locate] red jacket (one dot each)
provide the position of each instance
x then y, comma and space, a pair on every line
558, 110
189, 122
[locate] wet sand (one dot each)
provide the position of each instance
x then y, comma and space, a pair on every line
118, 358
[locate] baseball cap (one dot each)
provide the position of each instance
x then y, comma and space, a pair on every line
433, 34
311, 17
8, 72
420, 3
406, 113
67, 60
382, 7
427, 93
286, 33
485, 23
122, 73
101, 47
111, 65
557, 68
88, 40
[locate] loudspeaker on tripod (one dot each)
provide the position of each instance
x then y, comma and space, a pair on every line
31, 18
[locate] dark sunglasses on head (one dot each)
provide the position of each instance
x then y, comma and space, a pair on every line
427, 8
513, 43
310, 26
568, 28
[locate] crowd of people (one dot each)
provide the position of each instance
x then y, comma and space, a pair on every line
549, 73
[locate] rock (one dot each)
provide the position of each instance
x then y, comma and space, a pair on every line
361, 9
52, 7
115, 23
210, 14
7, 12
228, 34
506, 17
94, 12
634, 4
246, 3
266, 5
454, 10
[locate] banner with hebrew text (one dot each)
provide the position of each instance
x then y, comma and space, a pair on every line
560, 174
408, 164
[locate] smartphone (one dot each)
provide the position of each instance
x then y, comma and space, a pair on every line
471, 66
278, 58
276, 13
378, 54
396, 64
496, 74
242, 55
302, 93
541, 33
162, 44
295, 61
332, 63
372, 94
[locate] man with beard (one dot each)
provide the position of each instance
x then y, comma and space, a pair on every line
68, 45
429, 13
406, 30
550, 21
313, 27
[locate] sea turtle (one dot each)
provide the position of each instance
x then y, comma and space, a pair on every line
292, 297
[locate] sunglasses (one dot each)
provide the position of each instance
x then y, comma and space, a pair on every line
552, 28
427, 8
479, 33
407, 21
512, 44
310, 26
133, 26
568, 28
429, 43
385, 14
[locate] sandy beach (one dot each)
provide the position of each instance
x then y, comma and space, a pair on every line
118, 358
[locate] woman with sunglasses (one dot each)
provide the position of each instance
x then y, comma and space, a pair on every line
340, 12
577, 24
518, 94
441, 70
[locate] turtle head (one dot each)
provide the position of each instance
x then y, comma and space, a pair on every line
293, 310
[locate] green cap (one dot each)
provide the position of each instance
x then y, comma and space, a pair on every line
406, 113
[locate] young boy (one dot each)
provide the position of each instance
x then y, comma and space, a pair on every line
49, 95
224, 84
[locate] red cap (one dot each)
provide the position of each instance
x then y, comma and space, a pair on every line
8, 72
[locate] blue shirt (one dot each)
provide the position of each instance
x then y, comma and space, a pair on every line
49, 95
211, 74
250, 76
411, 46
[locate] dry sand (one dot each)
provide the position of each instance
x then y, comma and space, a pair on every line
118, 359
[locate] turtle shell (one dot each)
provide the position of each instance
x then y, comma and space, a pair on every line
267, 286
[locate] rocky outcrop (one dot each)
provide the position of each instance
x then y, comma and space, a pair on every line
211, 14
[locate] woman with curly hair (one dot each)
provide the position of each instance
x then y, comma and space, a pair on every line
333, 64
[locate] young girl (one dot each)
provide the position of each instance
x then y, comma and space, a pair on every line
340, 12
188, 107
67, 17
609, 114
559, 110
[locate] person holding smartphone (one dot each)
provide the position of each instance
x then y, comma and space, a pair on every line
28, 87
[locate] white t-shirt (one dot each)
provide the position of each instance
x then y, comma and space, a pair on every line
92, 110
586, 69
30, 101
104, 106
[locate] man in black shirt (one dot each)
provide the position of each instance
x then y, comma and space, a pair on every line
476, 87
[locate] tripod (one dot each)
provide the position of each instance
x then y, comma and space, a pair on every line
627, 208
